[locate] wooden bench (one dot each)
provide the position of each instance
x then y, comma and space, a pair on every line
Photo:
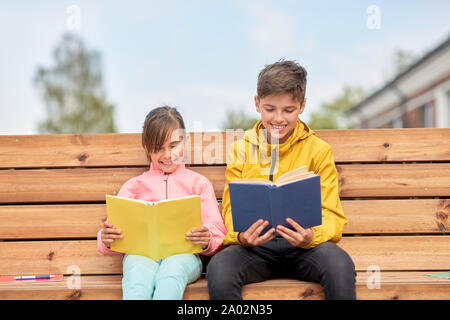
394, 186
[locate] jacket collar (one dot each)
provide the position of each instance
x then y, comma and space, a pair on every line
154, 170
256, 137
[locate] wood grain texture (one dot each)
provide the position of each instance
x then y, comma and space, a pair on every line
364, 217
54, 186
393, 285
87, 185
394, 180
96, 150
386, 252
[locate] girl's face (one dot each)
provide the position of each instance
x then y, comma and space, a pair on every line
170, 155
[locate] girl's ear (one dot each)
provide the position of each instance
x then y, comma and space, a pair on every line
258, 109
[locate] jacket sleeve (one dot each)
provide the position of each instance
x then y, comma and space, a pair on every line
212, 219
333, 218
235, 164
125, 191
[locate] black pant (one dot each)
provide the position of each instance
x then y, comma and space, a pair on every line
236, 265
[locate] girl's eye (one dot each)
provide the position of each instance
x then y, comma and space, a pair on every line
173, 146
289, 111
269, 110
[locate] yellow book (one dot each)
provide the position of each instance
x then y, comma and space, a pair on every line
154, 229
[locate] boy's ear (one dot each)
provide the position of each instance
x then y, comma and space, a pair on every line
258, 109
302, 107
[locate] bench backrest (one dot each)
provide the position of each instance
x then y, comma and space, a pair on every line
394, 186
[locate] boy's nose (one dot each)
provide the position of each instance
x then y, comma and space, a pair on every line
278, 117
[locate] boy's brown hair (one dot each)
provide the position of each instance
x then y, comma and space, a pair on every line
282, 77
158, 125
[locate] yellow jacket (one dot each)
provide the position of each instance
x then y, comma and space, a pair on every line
251, 157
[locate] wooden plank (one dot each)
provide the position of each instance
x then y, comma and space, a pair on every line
78, 185
394, 180
62, 185
56, 257
91, 288
364, 217
386, 252
398, 252
51, 221
71, 150
83, 185
98, 150
388, 145
393, 285
397, 216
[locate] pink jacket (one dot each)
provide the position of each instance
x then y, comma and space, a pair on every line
154, 185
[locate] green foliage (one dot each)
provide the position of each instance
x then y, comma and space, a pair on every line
72, 91
238, 119
402, 60
332, 113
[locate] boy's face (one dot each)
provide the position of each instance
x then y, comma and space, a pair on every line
279, 114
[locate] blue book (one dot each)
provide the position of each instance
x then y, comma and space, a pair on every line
295, 195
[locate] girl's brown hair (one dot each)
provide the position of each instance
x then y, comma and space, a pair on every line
158, 125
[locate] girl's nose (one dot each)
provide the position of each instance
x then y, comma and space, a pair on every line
167, 154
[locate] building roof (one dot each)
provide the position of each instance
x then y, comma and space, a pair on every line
403, 74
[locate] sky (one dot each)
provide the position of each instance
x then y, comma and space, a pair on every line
203, 57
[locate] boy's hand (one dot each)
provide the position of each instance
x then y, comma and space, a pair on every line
200, 236
300, 237
251, 238
110, 233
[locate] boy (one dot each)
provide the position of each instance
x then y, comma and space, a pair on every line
278, 143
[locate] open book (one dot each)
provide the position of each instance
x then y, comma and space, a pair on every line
295, 195
154, 229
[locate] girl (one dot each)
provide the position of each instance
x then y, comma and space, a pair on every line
144, 278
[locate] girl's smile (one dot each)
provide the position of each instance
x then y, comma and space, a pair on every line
169, 155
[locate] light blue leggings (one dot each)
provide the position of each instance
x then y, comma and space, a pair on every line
166, 279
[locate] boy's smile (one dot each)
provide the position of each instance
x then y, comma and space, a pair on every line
279, 114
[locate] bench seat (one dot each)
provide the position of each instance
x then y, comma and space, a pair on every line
393, 285
394, 186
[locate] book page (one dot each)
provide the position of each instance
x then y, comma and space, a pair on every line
258, 181
294, 175
135, 219
294, 178
174, 219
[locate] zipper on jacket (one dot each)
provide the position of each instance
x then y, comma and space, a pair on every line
274, 162
167, 188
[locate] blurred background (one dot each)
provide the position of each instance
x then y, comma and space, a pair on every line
85, 66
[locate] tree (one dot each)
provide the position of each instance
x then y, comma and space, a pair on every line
331, 115
72, 90
238, 119
402, 60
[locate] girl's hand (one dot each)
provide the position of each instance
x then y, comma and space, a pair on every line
298, 238
199, 235
110, 233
